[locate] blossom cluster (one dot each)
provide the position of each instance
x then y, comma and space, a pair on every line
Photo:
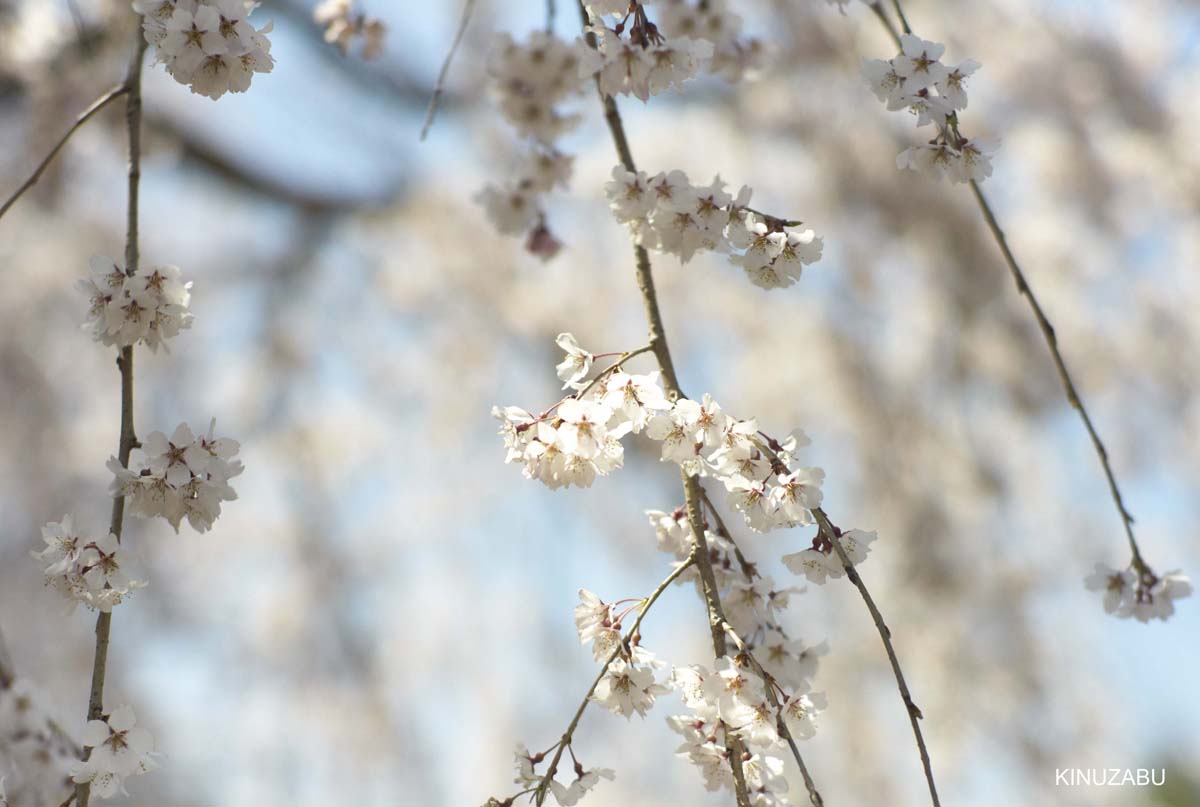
147, 306
35, 755
731, 701
637, 59
667, 213
85, 570
529, 779
530, 80
734, 57
179, 477
120, 749
342, 26
209, 45
916, 80
821, 562
579, 438
1142, 594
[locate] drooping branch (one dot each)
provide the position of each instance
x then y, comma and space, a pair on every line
1044, 325
439, 87
643, 609
84, 117
833, 535
128, 439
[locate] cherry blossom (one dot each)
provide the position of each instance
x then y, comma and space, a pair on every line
119, 749
146, 307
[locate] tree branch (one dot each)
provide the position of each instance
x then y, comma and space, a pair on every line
133, 121
833, 535
83, 118
632, 632
440, 86
1048, 334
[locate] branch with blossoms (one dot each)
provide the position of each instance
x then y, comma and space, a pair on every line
743, 712
917, 81
210, 46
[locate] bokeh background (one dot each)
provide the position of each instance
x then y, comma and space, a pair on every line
387, 608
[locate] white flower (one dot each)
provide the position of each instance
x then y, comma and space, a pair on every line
1157, 600
936, 160
629, 195
207, 44
119, 749
583, 429
800, 711
512, 210
976, 160
596, 623
576, 365
633, 399
917, 63
953, 86
1117, 586
629, 684
813, 564
84, 570
569, 795
797, 493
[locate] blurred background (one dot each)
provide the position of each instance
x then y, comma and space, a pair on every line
388, 608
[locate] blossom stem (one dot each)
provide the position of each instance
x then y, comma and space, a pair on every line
83, 118
833, 535
133, 120
565, 742
1048, 335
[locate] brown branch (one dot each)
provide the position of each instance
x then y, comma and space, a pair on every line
440, 86
833, 535
83, 118
133, 120
1048, 335
563, 743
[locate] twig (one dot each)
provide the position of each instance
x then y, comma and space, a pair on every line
1064, 376
83, 118
133, 121
440, 86
900, 14
633, 631
1048, 336
833, 535
887, 22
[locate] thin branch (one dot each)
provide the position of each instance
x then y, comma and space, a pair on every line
900, 14
440, 86
632, 632
1048, 335
133, 121
887, 22
1073, 396
83, 118
780, 722
833, 535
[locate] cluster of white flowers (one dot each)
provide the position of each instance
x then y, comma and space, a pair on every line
579, 438
642, 63
734, 57
1143, 596
183, 476
35, 755
669, 214
529, 779
209, 45
916, 80
85, 570
148, 306
731, 700
821, 562
342, 26
120, 749
529, 82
